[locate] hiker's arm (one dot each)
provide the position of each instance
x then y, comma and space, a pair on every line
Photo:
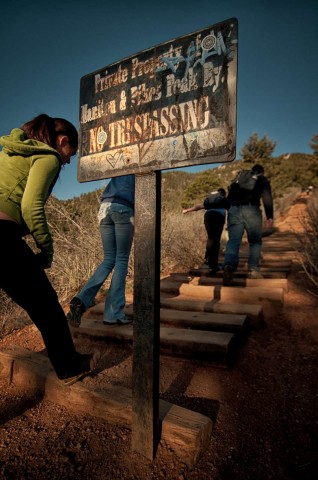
193, 209
267, 200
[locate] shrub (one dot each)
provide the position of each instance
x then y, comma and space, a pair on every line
309, 245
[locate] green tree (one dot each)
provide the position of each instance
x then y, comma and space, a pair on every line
257, 149
314, 144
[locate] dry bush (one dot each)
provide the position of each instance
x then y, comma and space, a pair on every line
183, 240
309, 242
77, 248
12, 317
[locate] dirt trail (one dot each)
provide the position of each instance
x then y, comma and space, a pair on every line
264, 409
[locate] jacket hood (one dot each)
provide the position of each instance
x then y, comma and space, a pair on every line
17, 143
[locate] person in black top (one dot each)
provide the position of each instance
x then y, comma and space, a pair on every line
214, 219
244, 214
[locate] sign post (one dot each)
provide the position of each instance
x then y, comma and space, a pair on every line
170, 106
145, 394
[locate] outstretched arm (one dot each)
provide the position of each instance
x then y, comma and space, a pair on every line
193, 209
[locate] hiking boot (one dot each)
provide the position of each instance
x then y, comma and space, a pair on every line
228, 275
254, 274
92, 362
105, 322
77, 309
124, 321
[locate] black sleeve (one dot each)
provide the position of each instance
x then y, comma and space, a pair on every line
267, 198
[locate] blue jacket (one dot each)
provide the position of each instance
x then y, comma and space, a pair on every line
120, 190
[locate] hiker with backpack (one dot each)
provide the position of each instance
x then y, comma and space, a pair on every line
244, 214
214, 219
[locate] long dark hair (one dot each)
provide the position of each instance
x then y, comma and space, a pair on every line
46, 129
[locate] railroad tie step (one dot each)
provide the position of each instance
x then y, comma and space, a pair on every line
198, 344
237, 282
196, 320
224, 294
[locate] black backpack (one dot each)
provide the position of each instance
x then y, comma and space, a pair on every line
246, 185
214, 200
246, 180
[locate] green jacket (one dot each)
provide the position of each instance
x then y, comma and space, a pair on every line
28, 172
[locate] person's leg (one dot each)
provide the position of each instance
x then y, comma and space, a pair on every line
92, 286
214, 223
84, 299
122, 217
208, 223
253, 224
235, 231
25, 281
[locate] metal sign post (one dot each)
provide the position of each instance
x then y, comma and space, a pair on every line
170, 106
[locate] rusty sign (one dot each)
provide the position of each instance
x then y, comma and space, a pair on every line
170, 106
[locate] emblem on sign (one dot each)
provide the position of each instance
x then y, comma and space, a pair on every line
208, 42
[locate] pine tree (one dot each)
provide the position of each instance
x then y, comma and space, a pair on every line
257, 149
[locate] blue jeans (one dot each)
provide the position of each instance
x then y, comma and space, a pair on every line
117, 231
240, 218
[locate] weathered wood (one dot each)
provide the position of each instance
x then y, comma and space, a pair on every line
272, 273
253, 312
212, 345
175, 318
200, 344
225, 294
269, 261
204, 321
237, 282
186, 319
190, 432
186, 432
145, 369
24, 367
244, 282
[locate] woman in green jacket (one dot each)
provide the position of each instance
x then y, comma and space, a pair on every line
30, 163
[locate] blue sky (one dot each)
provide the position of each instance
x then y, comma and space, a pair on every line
46, 47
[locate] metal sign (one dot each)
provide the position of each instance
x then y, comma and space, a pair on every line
170, 106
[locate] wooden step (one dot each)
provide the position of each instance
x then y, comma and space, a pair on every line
237, 282
270, 262
254, 313
263, 267
267, 273
245, 282
198, 344
195, 320
224, 294
186, 432
204, 321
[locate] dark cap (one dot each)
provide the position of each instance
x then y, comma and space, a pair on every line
258, 168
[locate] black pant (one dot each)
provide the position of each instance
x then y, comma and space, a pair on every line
214, 224
25, 281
